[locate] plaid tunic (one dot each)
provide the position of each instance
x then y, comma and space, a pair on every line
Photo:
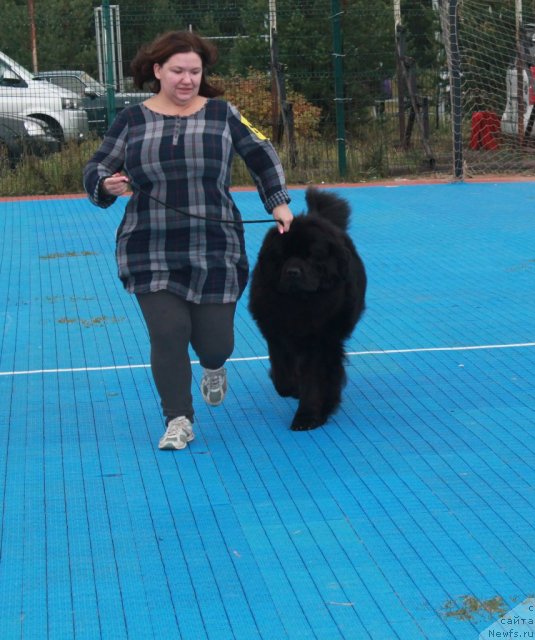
184, 162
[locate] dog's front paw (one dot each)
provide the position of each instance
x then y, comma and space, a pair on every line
306, 422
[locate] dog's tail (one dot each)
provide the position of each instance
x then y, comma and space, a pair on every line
329, 206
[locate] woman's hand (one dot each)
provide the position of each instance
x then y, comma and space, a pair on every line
115, 185
283, 216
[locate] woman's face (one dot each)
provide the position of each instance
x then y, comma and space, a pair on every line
180, 77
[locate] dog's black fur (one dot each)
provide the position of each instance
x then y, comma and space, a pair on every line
307, 294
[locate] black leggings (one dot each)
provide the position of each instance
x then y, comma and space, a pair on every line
173, 325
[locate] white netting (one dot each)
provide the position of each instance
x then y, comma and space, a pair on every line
489, 45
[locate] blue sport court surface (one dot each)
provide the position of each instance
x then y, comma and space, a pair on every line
410, 515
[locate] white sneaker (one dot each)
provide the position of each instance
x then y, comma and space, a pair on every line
177, 435
214, 386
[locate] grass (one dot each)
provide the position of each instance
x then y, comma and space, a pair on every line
59, 173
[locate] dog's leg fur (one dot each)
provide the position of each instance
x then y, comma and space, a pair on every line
283, 370
321, 377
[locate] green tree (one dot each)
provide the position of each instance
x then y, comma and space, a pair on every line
422, 25
65, 34
15, 40
305, 43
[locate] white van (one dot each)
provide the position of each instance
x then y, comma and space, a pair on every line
23, 94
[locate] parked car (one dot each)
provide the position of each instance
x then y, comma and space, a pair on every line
92, 95
23, 135
21, 93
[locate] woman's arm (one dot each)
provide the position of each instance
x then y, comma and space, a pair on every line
263, 164
102, 179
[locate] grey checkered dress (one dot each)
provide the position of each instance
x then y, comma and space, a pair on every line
184, 162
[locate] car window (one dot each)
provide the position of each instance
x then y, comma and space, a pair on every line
93, 85
69, 82
8, 77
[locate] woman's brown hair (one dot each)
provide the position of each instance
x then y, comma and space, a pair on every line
165, 46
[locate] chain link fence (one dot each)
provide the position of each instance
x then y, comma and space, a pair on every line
347, 90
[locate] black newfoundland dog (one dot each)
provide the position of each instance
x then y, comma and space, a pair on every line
307, 294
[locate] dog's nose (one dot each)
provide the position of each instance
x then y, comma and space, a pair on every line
293, 272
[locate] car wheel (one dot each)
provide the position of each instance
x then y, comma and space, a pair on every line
52, 126
57, 132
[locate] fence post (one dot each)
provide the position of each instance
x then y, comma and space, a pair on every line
456, 96
339, 87
520, 66
109, 67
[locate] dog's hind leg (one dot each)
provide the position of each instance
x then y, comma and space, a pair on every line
333, 390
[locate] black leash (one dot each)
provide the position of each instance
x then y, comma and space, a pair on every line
193, 215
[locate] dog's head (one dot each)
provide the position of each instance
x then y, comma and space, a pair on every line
311, 257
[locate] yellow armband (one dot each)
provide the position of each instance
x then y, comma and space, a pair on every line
257, 133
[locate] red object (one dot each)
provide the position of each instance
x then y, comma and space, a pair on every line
485, 127
532, 86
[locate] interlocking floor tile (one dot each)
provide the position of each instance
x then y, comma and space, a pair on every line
408, 516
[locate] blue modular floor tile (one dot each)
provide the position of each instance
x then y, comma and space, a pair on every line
408, 516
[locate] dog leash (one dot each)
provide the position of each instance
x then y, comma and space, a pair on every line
193, 215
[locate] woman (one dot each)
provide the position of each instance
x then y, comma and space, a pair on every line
175, 151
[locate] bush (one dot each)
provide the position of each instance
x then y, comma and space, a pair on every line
252, 95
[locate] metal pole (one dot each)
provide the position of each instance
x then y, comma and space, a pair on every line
98, 32
518, 11
521, 108
401, 73
339, 87
397, 12
108, 67
272, 19
33, 36
119, 47
275, 97
456, 96
399, 38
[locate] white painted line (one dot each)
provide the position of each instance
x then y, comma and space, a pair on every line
428, 349
75, 369
378, 352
